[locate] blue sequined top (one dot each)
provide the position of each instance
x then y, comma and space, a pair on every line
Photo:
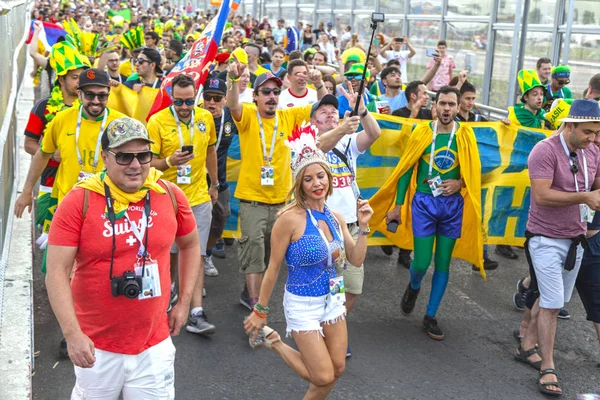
308, 273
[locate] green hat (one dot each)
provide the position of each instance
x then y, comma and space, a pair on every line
310, 50
123, 130
133, 38
357, 69
528, 79
561, 71
64, 57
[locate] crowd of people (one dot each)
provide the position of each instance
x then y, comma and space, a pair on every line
132, 211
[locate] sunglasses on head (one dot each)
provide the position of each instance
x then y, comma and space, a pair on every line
562, 83
575, 164
188, 102
213, 97
92, 95
267, 91
143, 157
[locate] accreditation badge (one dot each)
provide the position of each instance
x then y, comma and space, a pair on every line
267, 175
184, 174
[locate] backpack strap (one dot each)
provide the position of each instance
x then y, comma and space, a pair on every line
86, 195
167, 186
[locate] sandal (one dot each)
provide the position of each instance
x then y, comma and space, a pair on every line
523, 356
517, 336
543, 385
262, 338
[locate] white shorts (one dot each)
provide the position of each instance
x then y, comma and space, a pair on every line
148, 375
203, 215
555, 283
304, 313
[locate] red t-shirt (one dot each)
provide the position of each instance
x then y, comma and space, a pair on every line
119, 324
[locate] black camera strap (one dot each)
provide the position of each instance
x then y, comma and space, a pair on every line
112, 217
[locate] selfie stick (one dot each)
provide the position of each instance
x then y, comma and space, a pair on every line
361, 89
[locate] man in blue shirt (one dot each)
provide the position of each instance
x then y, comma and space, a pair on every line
353, 77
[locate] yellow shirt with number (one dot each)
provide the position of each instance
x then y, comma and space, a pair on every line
162, 129
60, 135
249, 185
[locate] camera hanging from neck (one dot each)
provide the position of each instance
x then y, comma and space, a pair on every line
112, 218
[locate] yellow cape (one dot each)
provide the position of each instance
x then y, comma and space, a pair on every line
470, 245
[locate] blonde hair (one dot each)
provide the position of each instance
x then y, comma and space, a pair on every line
296, 196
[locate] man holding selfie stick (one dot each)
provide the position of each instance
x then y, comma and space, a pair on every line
184, 139
396, 53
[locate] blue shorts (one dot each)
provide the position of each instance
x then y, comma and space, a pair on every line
437, 215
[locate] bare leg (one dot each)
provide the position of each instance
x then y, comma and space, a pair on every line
531, 333
253, 283
525, 321
211, 242
350, 301
547, 318
197, 295
597, 326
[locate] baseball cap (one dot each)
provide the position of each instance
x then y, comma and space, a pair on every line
215, 86
153, 56
222, 57
263, 78
328, 99
123, 130
330, 24
93, 76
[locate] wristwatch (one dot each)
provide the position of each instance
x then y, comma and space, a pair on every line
215, 185
364, 233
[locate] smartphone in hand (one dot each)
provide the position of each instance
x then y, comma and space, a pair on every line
187, 149
392, 226
431, 52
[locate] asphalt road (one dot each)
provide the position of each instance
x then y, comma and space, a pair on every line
392, 357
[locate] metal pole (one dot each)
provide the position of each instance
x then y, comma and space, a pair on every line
512, 77
559, 19
443, 22
489, 56
567, 45
406, 12
523, 41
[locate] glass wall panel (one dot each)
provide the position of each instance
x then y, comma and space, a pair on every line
501, 69
305, 15
587, 12
289, 15
469, 7
365, 5
325, 4
506, 10
422, 34
391, 7
584, 60
392, 27
343, 5
538, 45
467, 43
542, 11
362, 26
428, 7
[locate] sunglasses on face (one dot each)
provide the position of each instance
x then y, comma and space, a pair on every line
210, 97
575, 163
142, 60
354, 77
188, 102
121, 158
92, 95
562, 83
267, 91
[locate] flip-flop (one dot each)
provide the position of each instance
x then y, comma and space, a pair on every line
523, 356
543, 385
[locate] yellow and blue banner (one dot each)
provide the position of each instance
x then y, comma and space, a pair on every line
503, 151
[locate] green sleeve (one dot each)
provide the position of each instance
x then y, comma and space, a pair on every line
568, 93
373, 90
403, 184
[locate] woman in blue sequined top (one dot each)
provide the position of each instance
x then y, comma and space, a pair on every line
313, 239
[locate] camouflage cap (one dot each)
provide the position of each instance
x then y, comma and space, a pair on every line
123, 130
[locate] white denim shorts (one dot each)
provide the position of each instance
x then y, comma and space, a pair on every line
305, 313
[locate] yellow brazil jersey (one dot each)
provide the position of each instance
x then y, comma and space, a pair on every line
126, 68
162, 129
249, 184
60, 135
260, 70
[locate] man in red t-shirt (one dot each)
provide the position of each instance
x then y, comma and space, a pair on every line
124, 219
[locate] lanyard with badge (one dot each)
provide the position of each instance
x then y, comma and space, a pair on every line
435, 181
184, 172
336, 295
585, 213
110, 77
562, 95
267, 172
144, 281
221, 130
84, 175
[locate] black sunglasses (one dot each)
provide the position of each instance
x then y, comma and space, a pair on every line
142, 60
267, 91
188, 102
143, 157
575, 163
213, 97
562, 83
92, 95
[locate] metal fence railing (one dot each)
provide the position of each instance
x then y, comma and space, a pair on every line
14, 27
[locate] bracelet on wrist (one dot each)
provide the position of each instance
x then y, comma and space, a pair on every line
364, 114
261, 309
362, 232
319, 87
234, 79
259, 315
168, 162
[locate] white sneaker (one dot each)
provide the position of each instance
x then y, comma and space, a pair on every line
209, 267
